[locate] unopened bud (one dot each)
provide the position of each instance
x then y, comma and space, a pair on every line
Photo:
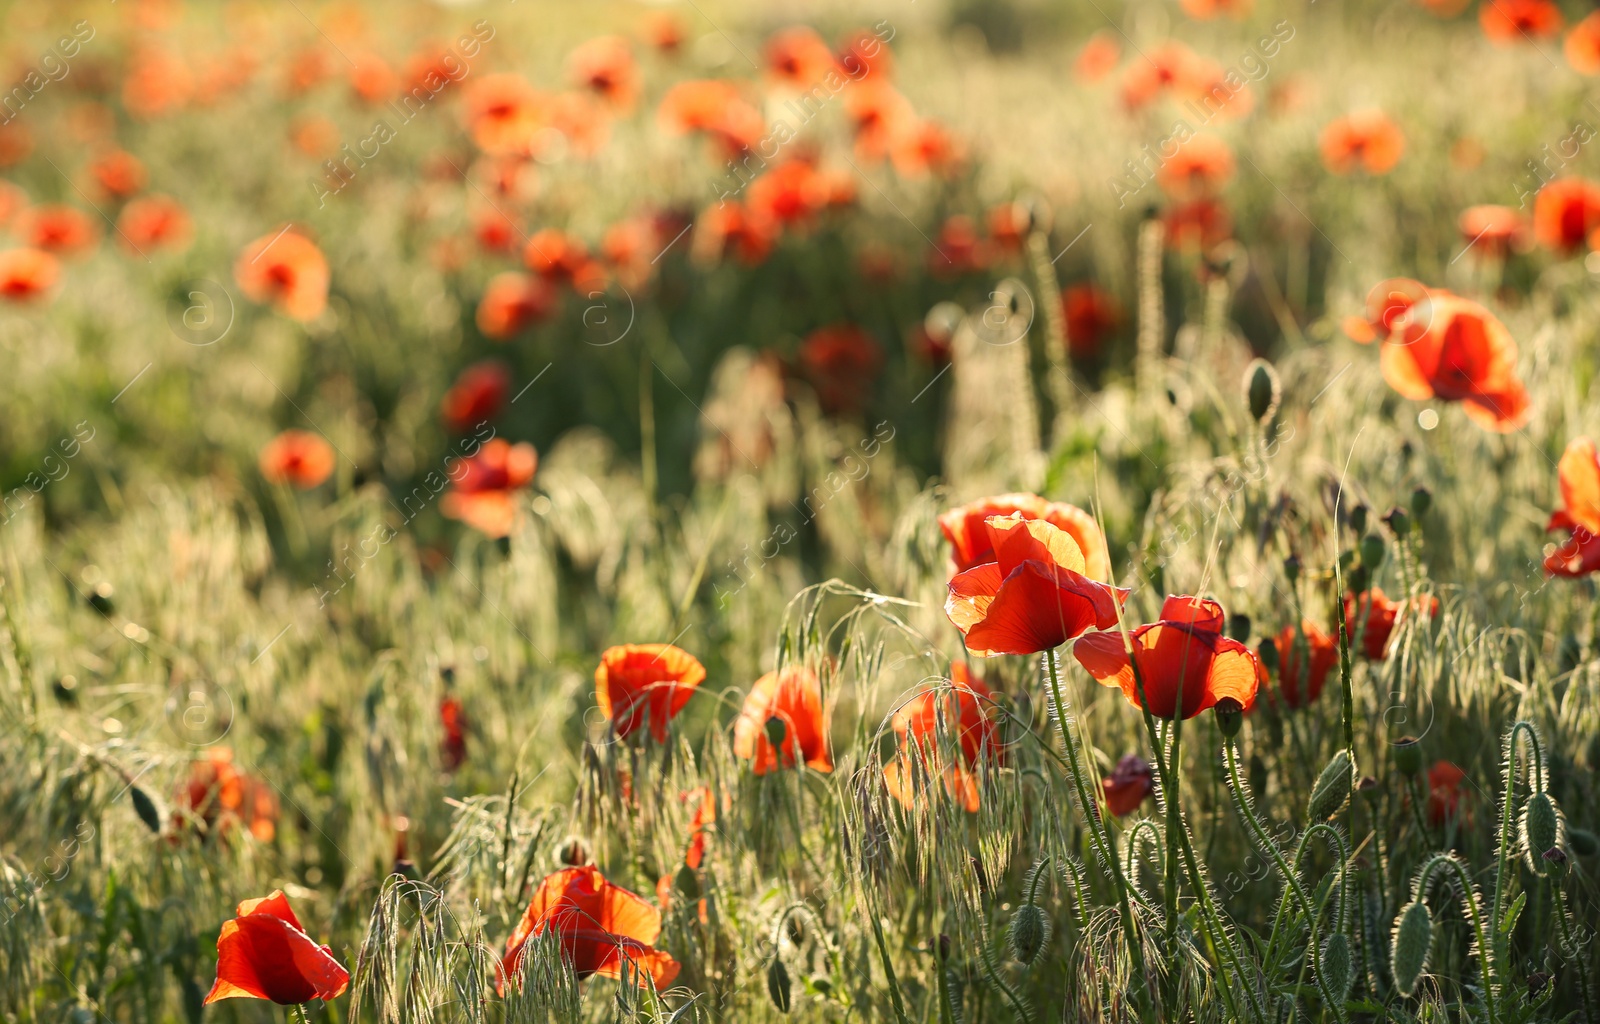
1372, 551
776, 730
1408, 755
1291, 568
146, 809
1358, 520
1030, 930
1239, 626
1337, 966
1541, 829
1398, 520
1421, 501
1262, 389
1408, 955
1332, 788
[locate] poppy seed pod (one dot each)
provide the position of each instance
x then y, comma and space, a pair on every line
778, 985
1408, 755
1239, 626
1267, 651
1358, 520
1398, 520
1262, 390
1541, 829
1421, 501
1332, 788
1555, 860
1029, 932
1230, 715
1372, 551
146, 809
776, 730
1337, 967
1408, 954
1291, 568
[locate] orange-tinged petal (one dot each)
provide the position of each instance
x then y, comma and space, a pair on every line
263, 956
1037, 607
1017, 540
1579, 470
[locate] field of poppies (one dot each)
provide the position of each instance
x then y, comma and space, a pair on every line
907, 510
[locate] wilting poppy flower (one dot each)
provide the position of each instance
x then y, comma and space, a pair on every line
787, 701
1128, 785
1565, 212
1455, 350
1366, 140
603, 928
605, 65
1579, 513
511, 301
966, 712
972, 543
476, 396
878, 114
640, 684
1491, 230
841, 361
1507, 22
790, 193
264, 953
217, 796
27, 274
1582, 46
1091, 315
1168, 67
1444, 792
119, 173
286, 269
1098, 57
372, 79
298, 458
798, 57
504, 112
715, 107
1202, 223
154, 222
484, 491
453, 742
1202, 164
1033, 597
57, 229
1184, 650
1301, 682
1376, 616
663, 30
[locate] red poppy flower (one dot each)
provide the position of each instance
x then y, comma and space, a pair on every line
605, 65
1008, 225
484, 491
1579, 513
119, 173
1033, 597
716, 108
972, 543
1163, 68
154, 222
453, 724
959, 248
700, 824
1389, 313
924, 146
555, 255
603, 928
841, 361
1092, 315
863, 54
1444, 792
264, 953
790, 193
879, 114
1508, 22
1376, 616
639, 684
57, 229
1204, 10
1582, 46
792, 696
156, 83
798, 57
504, 112
732, 227
1565, 212
1098, 58
27, 274
286, 269
1199, 224
298, 458
511, 301
1455, 350
1300, 685
496, 231
1130, 782
630, 247
1491, 230
1185, 649
663, 30
966, 712
1366, 140
372, 79
476, 396
1202, 164
217, 796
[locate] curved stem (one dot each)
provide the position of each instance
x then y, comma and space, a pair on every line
1508, 810
1475, 912
1570, 948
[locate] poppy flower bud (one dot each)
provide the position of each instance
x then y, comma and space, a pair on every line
1408, 954
447, 673
574, 852
1357, 579
778, 985
1555, 860
1421, 501
1332, 788
1541, 829
1583, 842
1267, 651
1291, 568
1372, 551
1029, 932
1398, 520
1358, 520
146, 809
776, 730
100, 598
1262, 389
1239, 626
1337, 967
1408, 755
1230, 714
